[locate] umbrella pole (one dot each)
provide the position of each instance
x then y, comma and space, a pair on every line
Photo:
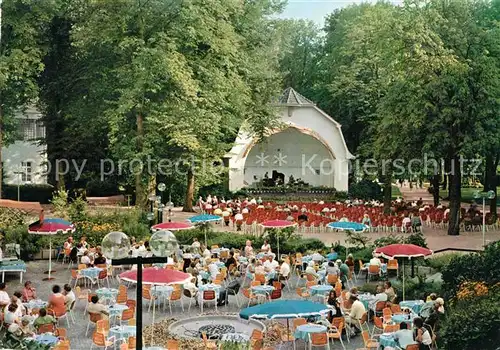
288, 329
278, 238
404, 279
153, 324
50, 260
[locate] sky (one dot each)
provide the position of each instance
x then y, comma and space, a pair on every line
314, 10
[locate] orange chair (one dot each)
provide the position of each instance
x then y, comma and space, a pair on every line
99, 340
93, 318
319, 339
131, 304
209, 344
396, 309
102, 326
391, 328
392, 265
298, 322
379, 307
387, 314
46, 328
82, 267
336, 328
378, 325
260, 277
62, 345
277, 285
373, 270
208, 296
131, 343
275, 294
146, 294
121, 298
302, 292
103, 276
369, 343
256, 335
61, 333
255, 283
412, 347
176, 295
332, 279
249, 295
309, 284
172, 344
127, 315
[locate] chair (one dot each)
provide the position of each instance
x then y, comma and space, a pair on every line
369, 342
379, 307
298, 322
277, 285
75, 276
335, 330
208, 296
46, 328
187, 293
260, 277
131, 304
102, 326
248, 294
99, 340
93, 318
121, 298
362, 268
396, 309
378, 325
319, 339
146, 294
303, 292
391, 328
373, 270
256, 335
364, 321
103, 275
172, 344
275, 294
70, 311
62, 345
412, 347
392, 265
82, 267
132, 322
255, 283
387, 314
332, 279
176, 295
209, 344
131, 343
126, 315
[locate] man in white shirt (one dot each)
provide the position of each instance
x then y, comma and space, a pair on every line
86, 258
357, 312
375, 261
284, 269
380, 296
270, 265
213, 269
191, 287
196, 245
310, 270
4, 296
69, 296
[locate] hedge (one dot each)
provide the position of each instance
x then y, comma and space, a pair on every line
29, 193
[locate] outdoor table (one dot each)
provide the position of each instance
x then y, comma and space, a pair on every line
107, 293
235, 338
205, 275
91, 272
303, 331
162, 291
322, 275
262, 290
320, 289
307, 258
400, 318
116, 310
122, 332
13, 266
366, 299
46, 339
35, 304
387, 339
264, 255
415, 305
220, 264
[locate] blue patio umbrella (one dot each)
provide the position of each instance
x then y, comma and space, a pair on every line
284, 309
347, 226
204, 218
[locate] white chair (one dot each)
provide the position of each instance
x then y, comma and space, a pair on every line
208, 296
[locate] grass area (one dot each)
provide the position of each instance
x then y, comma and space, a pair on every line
467, 194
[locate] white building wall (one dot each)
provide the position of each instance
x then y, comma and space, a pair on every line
26, 150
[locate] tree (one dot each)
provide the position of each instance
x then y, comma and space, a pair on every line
23, 24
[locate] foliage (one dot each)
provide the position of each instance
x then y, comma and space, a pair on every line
29, 243
483, 267
417, 239
29, 192
439, 261
473, 323
366, 190
387, 240
417, 288
60, 204
357, 239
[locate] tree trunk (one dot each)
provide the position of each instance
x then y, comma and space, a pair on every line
1, 148
490, 180
446, 172
188, 203
435, 188
455, 187
140, 194
387, 193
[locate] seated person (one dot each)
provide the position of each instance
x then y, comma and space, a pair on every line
29, 292
421, 335
404, 336
213, 269
310, 270
379, 296
69, 296
191, 287
43, 318
100, 259
85, 259
15, 300
375, 261
259, 268
428, 307
270, 265
317, 257
21, 330
357, 312
4, 296
57, 301
389, 290
284, 269
95, 307
231, 260
332, 268
11, 315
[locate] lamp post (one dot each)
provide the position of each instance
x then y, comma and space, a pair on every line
116, 246
484, 195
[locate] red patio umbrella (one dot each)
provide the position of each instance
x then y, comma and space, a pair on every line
172, 226
406, 251
278, 224
157, 276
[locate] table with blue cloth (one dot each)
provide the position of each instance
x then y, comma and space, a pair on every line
303, 331
91, 272
262, 290
210, 286
107, 293
399, 318
366, 299
35, 304
45, 339
332, 256
122, 332
388, 339
320, 289
415, 305
116, 310
13, 266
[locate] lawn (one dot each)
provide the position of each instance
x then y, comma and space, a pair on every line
467, 194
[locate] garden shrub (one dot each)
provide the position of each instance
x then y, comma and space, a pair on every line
387, 240
417, 289
366, 190
416, 239
41, 193
440, 261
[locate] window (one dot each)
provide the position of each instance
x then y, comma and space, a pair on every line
40, 129
26, 172
28, 129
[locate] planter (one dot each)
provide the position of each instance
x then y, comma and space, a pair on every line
46, 253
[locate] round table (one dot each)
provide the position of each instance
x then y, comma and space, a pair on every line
320, 289
399, 318
415, 305
116, 310
366, 299
303, 331
387, 339
264, 289
91, 272
162, 291
46, 339
122, 332
107, 293
35, 304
